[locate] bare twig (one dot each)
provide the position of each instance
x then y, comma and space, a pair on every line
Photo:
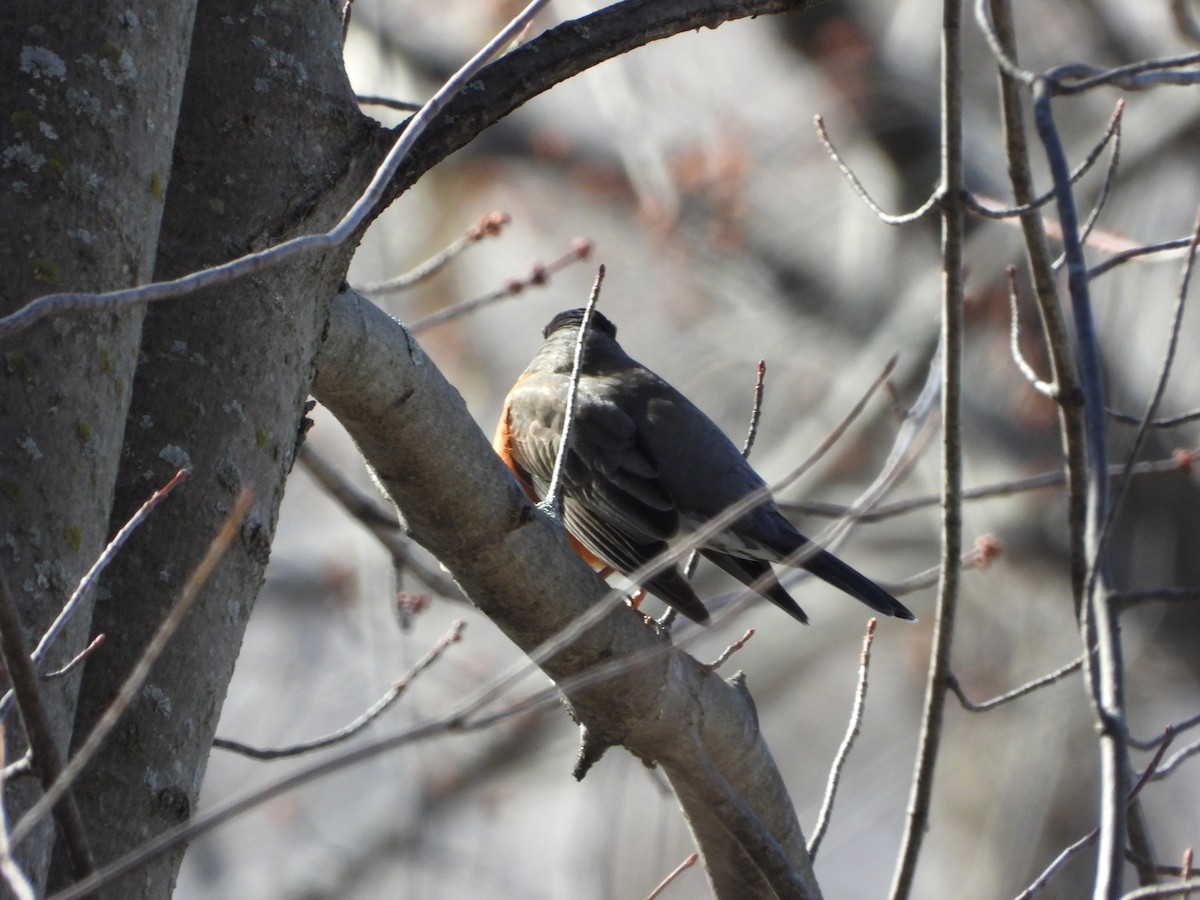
980, 556
46, 759
887, 218
760, 377
78, 660
1168, 422
1014, 339
1175, 464
89, 578
378, 708
488, 225
141, 671
1172, 732
1099, 620
730, 650
1110, 174
21, 768
539, 276
13, 877
1090, 838
379, 520
952, 214
1166, 769
843, 753
679, 870
552, 503
1179, 889
1002, 36
1076, 78
1160, 387
1118, 259
1028, 688
389, 102
983, 207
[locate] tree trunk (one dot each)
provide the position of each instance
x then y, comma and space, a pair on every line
270, 144
89, 99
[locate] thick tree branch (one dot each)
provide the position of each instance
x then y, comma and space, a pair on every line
460, 502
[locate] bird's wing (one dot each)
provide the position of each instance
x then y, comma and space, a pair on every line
614, 500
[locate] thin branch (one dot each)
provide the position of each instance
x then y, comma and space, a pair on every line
466, 716
1174, 465
489, 225
1075, 78
1171, 732
951, 343
1117, 259
1090, 838
1110, 175
1003, 50
730, 650
843, 753
539, 276
560, 53
978, 205
1160, 387
679, 870
887, 218
1016, 693
980, 556
378, 708
553, 502
13, 877
21, 768
1164, 890
1169, 422
1160, 869
1099, 621
389, 102
1014, 340
137, 678
89, 578
760, 377
1167, 768
379, 520
79, 659
46, 759
1002, 34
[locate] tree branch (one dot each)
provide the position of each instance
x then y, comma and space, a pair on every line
460, 502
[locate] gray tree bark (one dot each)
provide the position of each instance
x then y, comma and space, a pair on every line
220, 389
89, 98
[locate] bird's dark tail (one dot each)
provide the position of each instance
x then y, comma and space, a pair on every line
829, 568
757, 573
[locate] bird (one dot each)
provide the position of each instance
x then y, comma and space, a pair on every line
644, 468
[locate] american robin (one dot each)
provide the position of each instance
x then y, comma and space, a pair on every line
645, 467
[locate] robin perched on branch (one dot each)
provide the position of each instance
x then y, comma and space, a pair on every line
644, 468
